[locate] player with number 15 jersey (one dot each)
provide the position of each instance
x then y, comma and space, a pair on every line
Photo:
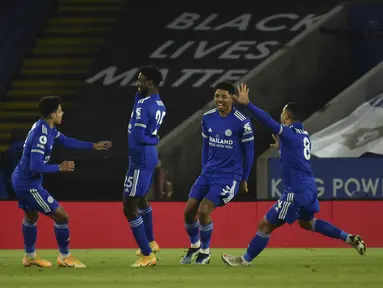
146, 119
147, 116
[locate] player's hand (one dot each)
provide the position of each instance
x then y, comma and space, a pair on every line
276, 139
67, 166
243, 94
102, 145
244, 186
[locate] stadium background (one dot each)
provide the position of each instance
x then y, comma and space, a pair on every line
325, 56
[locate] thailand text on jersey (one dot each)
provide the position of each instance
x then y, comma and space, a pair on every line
225, 136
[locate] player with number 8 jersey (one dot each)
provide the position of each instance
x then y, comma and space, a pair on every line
299, 201
147, 116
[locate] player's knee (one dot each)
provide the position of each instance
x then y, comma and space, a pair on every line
204, 211
189, 214
66, 217
265, 226
129, 211
62, 217
143, 203
307, 225
126, 211
31, 217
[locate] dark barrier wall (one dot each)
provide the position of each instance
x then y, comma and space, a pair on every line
20, 21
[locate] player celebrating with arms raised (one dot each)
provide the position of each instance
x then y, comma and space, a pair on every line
27, 182
299, 200
147, 116
227, 158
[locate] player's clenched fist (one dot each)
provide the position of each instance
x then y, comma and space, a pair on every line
67, 166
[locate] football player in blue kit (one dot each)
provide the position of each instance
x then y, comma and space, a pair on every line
27, 182
299, 200
227, 158
147, 116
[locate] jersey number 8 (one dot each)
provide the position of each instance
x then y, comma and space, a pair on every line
307, 148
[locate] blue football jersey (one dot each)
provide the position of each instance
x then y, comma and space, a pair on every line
295, 154
226, 136
37, 150
145, 122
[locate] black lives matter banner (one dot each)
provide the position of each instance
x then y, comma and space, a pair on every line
196, 44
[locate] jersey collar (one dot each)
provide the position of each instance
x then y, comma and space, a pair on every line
297, 125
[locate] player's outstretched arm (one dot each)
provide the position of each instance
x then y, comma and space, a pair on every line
77, 144
261, 115
247, 143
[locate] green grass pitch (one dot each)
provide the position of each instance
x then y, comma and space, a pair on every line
308, 268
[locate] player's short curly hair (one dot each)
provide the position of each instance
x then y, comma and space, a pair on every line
294, 110
48, 105
152, 74
227, 86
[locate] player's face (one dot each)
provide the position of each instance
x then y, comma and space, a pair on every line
143, 84
58, 115
284, 116
223, 100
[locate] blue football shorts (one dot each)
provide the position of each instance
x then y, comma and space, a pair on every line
218, 188
36, 199
292, 206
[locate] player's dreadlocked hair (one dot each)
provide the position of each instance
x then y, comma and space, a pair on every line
294, 111
48, 104
227, 86
152, 74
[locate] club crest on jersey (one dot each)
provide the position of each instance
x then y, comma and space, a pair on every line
228, 132
210, 130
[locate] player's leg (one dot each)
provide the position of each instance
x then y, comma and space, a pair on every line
197, 193
308, 222
192, 229
30, 236
223, 189
30, 232
206, 207
31, 205
61, 228
145, 210
136, 186
283, 211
